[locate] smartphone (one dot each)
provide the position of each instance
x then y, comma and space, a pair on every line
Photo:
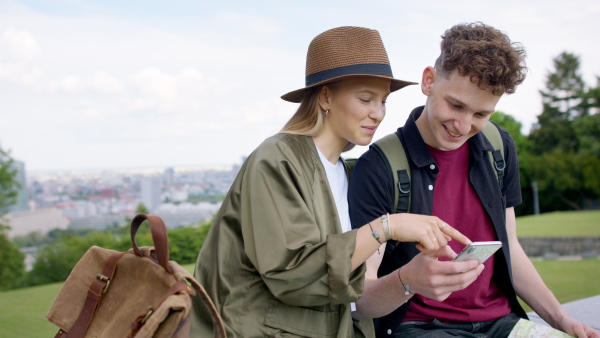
480, 251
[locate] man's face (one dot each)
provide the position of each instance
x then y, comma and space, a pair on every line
456, 109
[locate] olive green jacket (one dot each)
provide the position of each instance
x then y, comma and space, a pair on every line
275, 261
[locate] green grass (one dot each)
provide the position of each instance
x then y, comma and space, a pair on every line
569, 280
189, 268
23, 312
560, 223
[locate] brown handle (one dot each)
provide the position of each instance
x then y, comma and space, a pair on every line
218, 327
159, 237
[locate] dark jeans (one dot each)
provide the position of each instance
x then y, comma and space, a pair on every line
500, 327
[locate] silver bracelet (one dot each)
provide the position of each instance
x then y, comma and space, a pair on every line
386, 227
376, 235
405, 286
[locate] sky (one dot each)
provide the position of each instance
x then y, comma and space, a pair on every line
135, 84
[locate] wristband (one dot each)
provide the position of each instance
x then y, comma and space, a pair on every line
386, 226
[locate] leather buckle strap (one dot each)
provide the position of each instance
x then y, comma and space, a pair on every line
139, 321
103, 278
94, 296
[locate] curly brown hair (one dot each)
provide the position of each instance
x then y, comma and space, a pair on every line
485, 54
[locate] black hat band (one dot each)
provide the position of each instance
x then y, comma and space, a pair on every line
360, 69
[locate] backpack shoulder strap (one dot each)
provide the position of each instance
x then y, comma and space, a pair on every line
496, 157
394, 153
350, 164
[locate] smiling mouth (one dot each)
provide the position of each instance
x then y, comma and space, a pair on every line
451, 133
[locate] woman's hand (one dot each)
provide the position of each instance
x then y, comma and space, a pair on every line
431, 232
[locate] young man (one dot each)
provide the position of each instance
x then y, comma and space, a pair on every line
424, 294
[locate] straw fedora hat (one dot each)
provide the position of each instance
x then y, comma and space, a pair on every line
343, 52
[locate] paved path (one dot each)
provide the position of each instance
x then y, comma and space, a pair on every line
585, 310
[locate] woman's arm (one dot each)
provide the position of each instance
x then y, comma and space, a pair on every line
431, 233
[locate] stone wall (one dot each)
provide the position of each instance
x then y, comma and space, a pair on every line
551, 247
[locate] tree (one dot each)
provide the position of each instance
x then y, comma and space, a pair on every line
564, 87
514, 129
34, 238
55, 262
12, 266
565, 142
561, 105
185, 243
590, 100
142, 209
558, 179
143, 230
8, 182
587, 127
523, 146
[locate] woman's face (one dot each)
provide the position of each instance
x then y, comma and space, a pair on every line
356, 108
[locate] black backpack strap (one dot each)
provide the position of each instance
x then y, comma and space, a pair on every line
403, 199
496, 157
500, 165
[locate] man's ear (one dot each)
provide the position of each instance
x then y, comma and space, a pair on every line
324, 97
428, 80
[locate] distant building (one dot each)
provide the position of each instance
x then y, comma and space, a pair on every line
169, 176
22, 196
151, 192
41, 220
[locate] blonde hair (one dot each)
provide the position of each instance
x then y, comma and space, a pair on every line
309, 118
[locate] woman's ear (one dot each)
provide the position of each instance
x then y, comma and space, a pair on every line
428, 80
324, 97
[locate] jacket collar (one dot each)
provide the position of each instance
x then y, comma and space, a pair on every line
417, 150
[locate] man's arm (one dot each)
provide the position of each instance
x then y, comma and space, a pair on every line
424, 274
532, 289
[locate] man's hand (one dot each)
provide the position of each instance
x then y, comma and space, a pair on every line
576, 328
438, 279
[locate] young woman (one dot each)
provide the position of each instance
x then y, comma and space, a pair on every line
281, 258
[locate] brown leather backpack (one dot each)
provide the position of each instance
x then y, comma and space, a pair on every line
139, 293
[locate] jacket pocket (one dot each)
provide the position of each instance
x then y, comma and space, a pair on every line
302, 321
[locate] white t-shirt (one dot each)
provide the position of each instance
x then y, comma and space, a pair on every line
338, 183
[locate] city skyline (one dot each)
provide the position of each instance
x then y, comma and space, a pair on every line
106, 85
100, 199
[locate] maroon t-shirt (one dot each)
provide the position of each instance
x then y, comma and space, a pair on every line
456, 202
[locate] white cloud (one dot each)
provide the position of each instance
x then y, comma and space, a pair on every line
155, 83
71, 84
21, 44
104, 83
21, 73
